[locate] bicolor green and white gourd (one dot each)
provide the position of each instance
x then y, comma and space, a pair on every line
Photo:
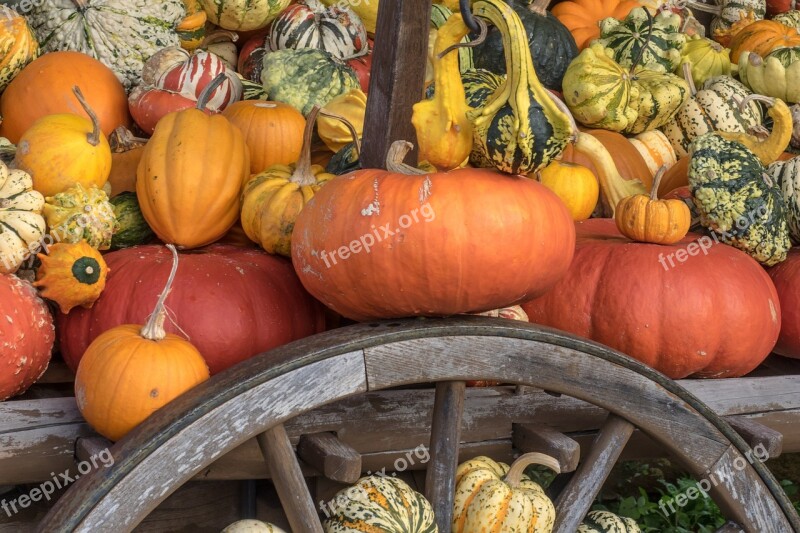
519, 128
789, 18
713, 108
706, 58
120, 34
737, 199
439, 15
303, 78
243, 15
729, 12
607, 522
787, 175
379, 503
629, 38
132, 229
776, 75
310, 24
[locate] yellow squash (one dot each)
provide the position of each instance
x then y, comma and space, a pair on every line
771, 148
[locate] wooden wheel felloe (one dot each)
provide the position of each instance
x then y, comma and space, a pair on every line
258, 396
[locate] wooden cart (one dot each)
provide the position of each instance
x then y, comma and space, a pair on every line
317, 413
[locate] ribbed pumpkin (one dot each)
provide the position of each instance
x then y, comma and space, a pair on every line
28, 336
777, 74
131, 371
243, 15
21, 221
706, 58
492, 496
190, 177
273, 131
18, 45
251, 302
762, 37
645, 218
380, 503
44, 87
582, 17
655, 149
71, 275
786, 277
80, 214
429, 223
62, 150
273, 199
717, 315
654, 42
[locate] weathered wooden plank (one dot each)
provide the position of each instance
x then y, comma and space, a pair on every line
88, 447
757, 435
530, 438
440, 480
577, 497
330, 456
31, 414
747, 395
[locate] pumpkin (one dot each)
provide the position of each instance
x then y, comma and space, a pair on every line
243, 15
729, 12
789, 18
310, 24
252, 526
367, 11
62, 150
706, 59
44, 87
272, 200
770, 149
273, 132
444, 132
71, 274
645, 218
21, 223
574, 184
192, 28
777, 74
28, 336
786, 174
713, 108
719, 318
126, 151
551, 44
303, 78
348, 237
120, 34
786, 276
606, 522
762, 37
776, 7
642, 39
655, 149
582, 17
724, 36
379, 503
149, 104
18, 45
492, 496
77, 214
676, 176
132, 229
191, 175
737, 200
131, 371
520, 127
352, 106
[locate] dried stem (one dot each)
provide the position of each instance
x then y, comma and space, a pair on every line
154, 328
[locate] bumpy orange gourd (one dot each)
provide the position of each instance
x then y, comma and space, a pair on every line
130, 371
273, 131
762, 37
62, 150
71, 275
581, 17
645, 218
575, 184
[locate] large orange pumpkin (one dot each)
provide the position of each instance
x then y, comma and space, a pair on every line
582, 17
691, 308
786, 276
382, 244
762, 37
676, 176
44, 87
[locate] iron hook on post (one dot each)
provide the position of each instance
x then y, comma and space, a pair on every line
466, 14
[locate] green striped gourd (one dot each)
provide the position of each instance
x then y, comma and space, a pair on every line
729, 12
706, 59
787, 175
713, 108
737, 200
520, 128
379, 503
776, 75
789, 18
243, 15
606, 522
120, 34
627, 38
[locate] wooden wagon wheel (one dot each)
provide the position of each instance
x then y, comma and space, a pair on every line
255, 398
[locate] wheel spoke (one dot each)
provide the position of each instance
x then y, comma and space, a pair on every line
440, 480
288, 479
575, 500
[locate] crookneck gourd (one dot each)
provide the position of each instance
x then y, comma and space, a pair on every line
444, 133
518, 128
628, 39
777, 74
737, 199
767, 150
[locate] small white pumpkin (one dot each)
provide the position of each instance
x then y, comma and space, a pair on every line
21, 222
252, 526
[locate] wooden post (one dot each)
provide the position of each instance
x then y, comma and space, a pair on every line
397, 80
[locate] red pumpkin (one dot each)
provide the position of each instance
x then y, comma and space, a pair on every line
26, 336
230, 302
148, 105
786, 277
691, 308
382, 244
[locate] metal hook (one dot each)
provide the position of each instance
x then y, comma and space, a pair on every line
466, 14
471, 44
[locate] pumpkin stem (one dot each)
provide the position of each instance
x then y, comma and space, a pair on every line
514, 475
484, 30
646, 44
218, 36
769, 101
205, 96
154, 328
122, 139
705, 8
394, 159
348, 124
687, 75
539, 7
657, 182
302, 174
94, 136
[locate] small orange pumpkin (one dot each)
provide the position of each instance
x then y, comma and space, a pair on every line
581, 17
71, 275
575, 184
645, 218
